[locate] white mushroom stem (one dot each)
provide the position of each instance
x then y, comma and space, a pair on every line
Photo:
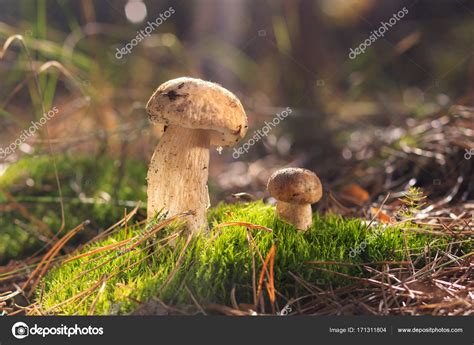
177, 176
300, 215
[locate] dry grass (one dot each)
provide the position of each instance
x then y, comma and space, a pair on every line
443, 287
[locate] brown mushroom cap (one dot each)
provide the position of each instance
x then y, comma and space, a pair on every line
195, 103
295, 185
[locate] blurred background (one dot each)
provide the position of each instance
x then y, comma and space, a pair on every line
378, 122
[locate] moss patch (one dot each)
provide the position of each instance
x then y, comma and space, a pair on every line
90, 187
213, 265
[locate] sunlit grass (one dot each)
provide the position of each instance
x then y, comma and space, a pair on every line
211, 266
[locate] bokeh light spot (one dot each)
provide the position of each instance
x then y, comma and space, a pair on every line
135, 10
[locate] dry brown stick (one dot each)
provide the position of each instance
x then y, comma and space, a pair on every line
245, 224
378, 211
195, 300
178, 264
46, 261
100, 250
226, 310
7, 295
392, 292
338, 263
73, 298
367, 280
319, 293
140, 238
271, 284
99, 293
262, 260
116, 225
233, 299
254, 286
262, 272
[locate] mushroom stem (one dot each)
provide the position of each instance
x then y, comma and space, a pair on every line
300, 215
177, 176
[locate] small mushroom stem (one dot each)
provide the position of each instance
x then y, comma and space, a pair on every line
300, 215
177, 176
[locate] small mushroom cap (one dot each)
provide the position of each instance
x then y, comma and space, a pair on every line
195, 103
295, 185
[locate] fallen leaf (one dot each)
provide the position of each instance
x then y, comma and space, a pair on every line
383, 217
355, 194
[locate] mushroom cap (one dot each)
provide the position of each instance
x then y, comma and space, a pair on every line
295, 185
195, 103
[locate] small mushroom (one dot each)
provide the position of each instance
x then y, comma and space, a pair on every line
195, 114
295, 189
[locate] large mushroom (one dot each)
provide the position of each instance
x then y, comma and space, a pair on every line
195, 114
295, 189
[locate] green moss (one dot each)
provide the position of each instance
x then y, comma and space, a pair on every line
90, 187
213, 265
